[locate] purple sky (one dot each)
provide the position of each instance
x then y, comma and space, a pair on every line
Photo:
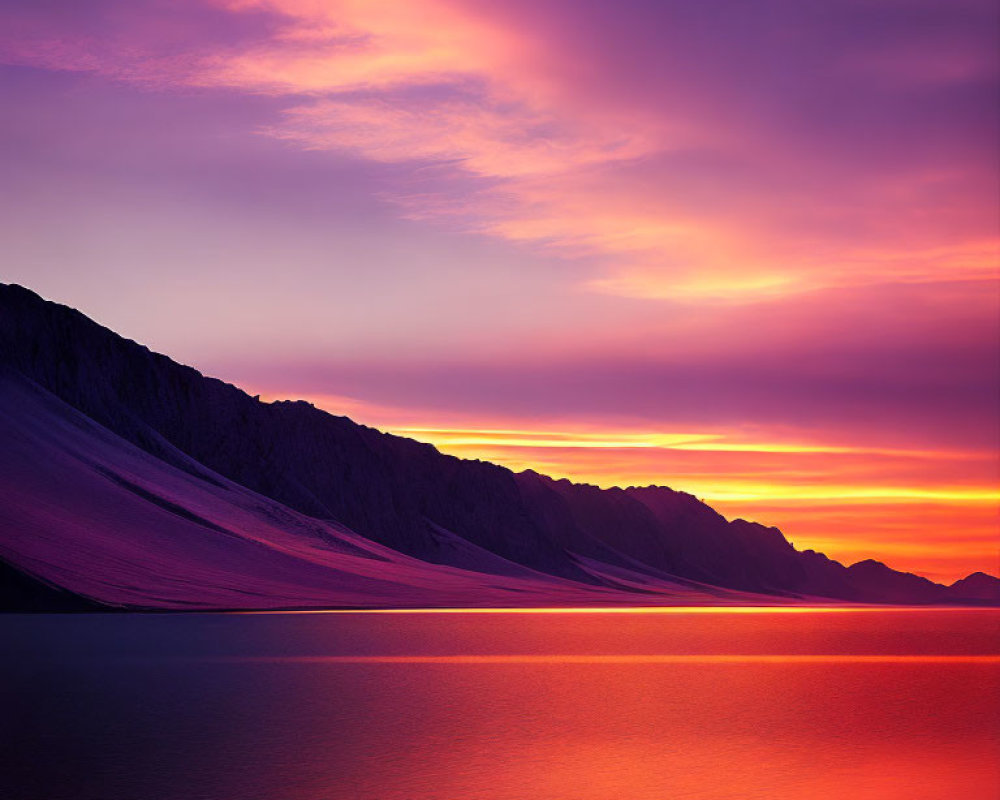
775, 223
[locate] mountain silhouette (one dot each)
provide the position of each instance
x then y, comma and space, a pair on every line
134, 481
977, 586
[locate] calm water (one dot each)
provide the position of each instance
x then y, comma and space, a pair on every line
836, 704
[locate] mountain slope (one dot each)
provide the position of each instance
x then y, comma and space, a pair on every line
82, 509
404, 495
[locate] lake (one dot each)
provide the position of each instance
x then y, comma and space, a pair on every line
666, 703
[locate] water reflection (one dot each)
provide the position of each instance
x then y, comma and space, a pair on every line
860, 705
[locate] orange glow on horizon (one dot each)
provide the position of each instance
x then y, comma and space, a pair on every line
617, 440
932, 511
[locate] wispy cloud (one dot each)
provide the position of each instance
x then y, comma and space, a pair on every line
523, 149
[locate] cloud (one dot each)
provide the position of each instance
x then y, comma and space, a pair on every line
515, 131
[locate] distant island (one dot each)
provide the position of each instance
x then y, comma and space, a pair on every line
128, 481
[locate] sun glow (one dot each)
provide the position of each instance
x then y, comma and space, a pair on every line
627, 439
852, 501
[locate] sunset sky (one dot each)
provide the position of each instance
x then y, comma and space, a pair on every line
744, 249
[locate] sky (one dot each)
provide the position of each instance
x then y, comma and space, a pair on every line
745, 250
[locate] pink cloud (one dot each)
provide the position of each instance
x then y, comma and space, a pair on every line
532, 154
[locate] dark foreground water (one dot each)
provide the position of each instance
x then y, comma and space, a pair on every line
820, 704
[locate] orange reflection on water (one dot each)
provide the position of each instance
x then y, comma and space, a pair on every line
754, 658
702, 704
764, 704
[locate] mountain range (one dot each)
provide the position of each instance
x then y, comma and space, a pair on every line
130, 481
